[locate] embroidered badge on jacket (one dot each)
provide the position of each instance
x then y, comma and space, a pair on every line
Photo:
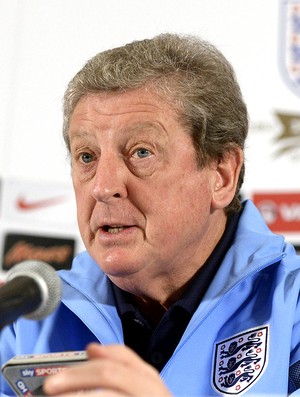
240, 360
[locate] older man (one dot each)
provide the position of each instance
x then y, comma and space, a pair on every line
177, 269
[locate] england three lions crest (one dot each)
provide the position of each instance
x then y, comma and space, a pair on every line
290, 43
240, 360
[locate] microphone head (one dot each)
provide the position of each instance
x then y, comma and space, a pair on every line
47, 281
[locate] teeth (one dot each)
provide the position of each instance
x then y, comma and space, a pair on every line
115, 229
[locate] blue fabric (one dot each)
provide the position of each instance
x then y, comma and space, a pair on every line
256, 288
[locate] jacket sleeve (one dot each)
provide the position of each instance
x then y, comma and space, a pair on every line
7, 351
294, 369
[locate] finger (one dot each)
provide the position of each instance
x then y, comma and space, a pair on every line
86, 376
94, 393
99, 374
113, 369
121, 354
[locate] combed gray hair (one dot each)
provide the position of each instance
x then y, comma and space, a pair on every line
190, 73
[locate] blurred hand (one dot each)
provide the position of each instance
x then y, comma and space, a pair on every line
111, 371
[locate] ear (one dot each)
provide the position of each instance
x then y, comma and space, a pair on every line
226, 177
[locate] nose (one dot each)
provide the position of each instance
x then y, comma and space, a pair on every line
110, 179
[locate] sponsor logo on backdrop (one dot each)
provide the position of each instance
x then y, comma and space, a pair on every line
288, 141
284, 133
58, 252
281, 211
38, 203
24, 204
290, 43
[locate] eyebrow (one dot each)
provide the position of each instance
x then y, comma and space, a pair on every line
79, 135
144, 125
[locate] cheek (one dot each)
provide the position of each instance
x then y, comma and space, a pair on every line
193, 194
188, 207
81, 220
172, 211
84, 208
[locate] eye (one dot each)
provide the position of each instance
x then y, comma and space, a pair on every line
141, 153
86, 157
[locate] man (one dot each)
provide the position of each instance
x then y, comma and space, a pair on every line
202, 294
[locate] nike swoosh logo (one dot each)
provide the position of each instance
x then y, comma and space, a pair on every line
25, 205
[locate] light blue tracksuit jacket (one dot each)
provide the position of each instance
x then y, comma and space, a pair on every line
244, 338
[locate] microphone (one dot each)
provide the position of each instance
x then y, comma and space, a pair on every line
32, 289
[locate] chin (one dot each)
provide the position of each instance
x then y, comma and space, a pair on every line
117, 267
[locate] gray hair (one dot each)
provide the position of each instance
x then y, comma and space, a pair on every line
190, 73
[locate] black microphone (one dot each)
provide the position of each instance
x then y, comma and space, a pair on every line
32, 289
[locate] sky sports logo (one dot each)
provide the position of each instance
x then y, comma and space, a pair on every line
41, 371
281, 211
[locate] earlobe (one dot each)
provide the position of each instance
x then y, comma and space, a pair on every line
226, 178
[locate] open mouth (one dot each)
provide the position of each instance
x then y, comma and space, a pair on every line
114, 229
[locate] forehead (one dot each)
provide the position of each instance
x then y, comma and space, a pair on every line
100, 112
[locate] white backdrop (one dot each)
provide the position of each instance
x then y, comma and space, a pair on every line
43, 43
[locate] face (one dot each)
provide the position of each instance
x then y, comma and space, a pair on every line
144, 206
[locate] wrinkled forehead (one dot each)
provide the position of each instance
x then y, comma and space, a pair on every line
165, 89
129, 114
143, 104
